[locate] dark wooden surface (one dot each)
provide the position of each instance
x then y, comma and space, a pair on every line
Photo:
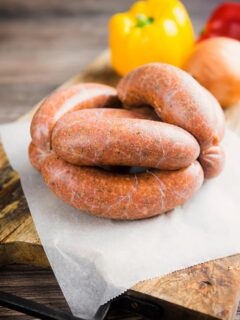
41, 286
43, 43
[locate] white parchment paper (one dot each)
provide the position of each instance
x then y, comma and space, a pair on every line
96, 259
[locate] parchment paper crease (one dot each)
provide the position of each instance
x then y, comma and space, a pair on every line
96, 259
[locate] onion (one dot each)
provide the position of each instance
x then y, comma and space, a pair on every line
215, 63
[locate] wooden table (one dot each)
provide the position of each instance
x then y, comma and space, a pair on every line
43, 43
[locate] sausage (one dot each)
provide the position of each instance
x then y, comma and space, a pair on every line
86, 137
63, 100
212, 160
81, 96
79, 129
121, 196
38, 152
36, 156
178, 99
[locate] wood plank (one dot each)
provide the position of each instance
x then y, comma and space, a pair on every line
29, 283
40, 285
206, 288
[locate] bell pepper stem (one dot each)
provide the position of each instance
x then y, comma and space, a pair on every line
143, 21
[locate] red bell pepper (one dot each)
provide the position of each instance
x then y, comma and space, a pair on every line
224, 21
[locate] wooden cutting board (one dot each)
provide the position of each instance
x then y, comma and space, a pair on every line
207, 291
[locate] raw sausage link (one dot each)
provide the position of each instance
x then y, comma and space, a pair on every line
121, 196
38, 152
178, 99
81, 96
36, 156
87, 138
212, 160
69, 144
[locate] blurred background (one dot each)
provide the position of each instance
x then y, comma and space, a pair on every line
45, 42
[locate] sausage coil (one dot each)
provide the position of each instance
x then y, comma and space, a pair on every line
168, 125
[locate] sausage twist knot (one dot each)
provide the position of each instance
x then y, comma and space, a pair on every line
78, 131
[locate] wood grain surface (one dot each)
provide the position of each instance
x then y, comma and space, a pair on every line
42, 43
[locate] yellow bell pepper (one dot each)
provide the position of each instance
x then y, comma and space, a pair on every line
151, 31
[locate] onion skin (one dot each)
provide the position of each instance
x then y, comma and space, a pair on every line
215, 64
